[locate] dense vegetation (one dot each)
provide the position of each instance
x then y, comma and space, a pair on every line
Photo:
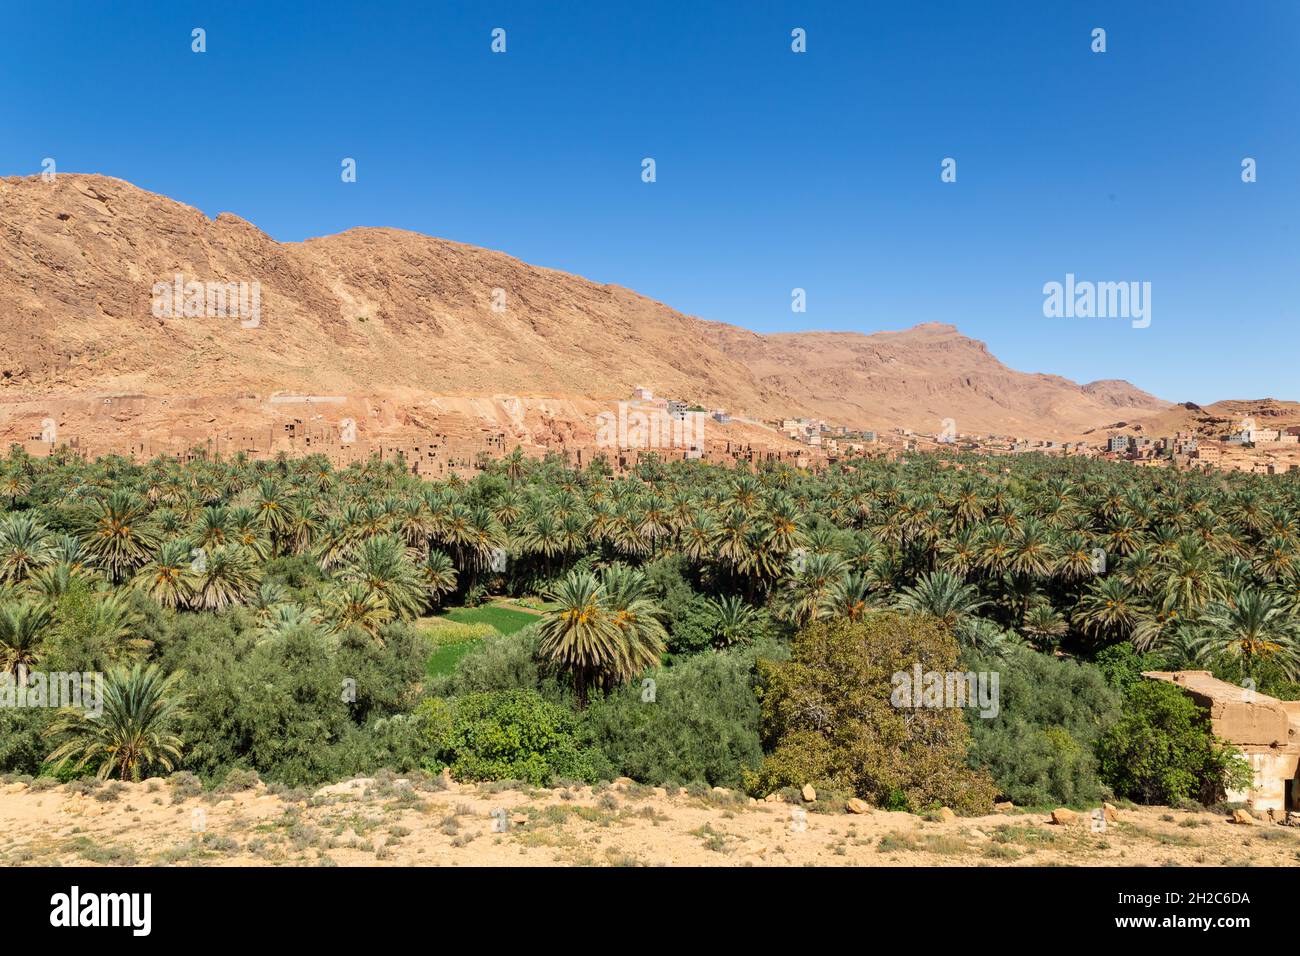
701, 624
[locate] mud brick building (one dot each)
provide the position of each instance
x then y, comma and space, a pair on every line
1266, 730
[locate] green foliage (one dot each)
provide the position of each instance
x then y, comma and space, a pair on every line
1039, 747
297, 707
691, 629
133, 733
1122, 665
511, 735
828, 719
22, 743
1162, 750
698, 720
498, 663
313, 576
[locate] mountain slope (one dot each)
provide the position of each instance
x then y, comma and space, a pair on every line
383, 311
920, 376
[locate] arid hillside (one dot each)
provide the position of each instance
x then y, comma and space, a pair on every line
382, 314
918, 377
1220, 418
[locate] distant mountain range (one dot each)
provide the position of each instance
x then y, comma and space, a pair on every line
84, 260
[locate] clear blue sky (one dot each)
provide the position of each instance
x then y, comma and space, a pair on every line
775, 170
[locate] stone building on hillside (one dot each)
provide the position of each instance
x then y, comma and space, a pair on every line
1266, 730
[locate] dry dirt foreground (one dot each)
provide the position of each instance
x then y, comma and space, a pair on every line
397, 822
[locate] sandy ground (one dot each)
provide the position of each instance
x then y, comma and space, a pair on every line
400, 823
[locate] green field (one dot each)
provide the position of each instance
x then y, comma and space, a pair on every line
443, 660
503, 620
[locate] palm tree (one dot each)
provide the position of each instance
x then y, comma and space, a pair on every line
273, 507
22, 626
580, 636
303, 523
382, 566
247, 531
353, 604
333, 544
55, 580
1043, 624
134, 732
732, 620
25, 546
852, 596
1109, 607
812, 586
1077, 561
943, 595
1192, 579
113, 621
439, 575
14, 484
1255, 628
625, 599
282, 618
959, 552
70, 550
229, 575
117, 534
168, 577
213, 527
542, 535
268, 599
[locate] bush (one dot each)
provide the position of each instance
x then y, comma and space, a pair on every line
510, 735
1122, 665
690, 629
279, 710
703, 723
1162, 751
829, 721
501, 662
22, 745
239, 780
400, 743
1039, 747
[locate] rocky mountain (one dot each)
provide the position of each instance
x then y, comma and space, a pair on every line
86, 260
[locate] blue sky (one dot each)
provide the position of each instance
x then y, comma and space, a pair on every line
775, 170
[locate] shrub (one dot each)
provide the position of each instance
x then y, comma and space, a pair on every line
398, 742
703, 723
1122, 665
510, 735
1162, 750
1039, 747
275, 707
22, 745
238, 780
828, 719
501, 662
